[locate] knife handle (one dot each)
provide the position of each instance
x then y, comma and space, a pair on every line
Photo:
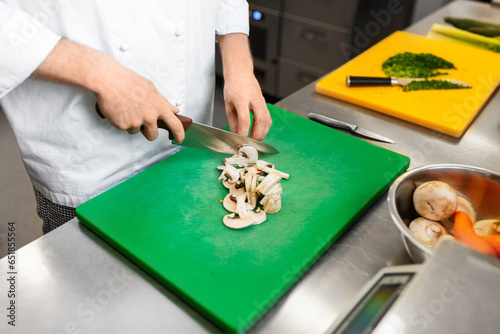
334, 123
186, 122
368, 81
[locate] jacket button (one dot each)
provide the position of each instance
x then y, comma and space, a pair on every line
179, 32
124, 46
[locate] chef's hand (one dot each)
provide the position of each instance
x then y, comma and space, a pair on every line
131, 102
128, 101
242, 93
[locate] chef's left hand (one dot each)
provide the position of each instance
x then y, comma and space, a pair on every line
242, 93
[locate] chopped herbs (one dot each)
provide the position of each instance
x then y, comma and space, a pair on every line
431, 84
415, 65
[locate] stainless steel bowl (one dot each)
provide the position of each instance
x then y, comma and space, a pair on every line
480, 186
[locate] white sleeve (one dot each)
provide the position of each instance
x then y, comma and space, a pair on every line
232, 17
24, 44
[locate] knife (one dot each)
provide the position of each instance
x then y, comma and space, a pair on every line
206, 137
334, 123
389, 81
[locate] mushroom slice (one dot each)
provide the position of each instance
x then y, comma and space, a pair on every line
258, 216
246, 155
487, 227
241, 206
229, 203
230, 174
435, 200
427, 231
277, 189
462, 205
268, 168
269, 182
273, 203
235, 189
234, 222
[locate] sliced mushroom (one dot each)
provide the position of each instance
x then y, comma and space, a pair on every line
435, 200
277, 189
273, 203
271, 180
252, 218
230, 174
229, 203
487, 227
427, 231
246, 155
269, 168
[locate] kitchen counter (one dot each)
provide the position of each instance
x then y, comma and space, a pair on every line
71, 281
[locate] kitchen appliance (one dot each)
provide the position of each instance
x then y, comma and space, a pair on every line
448, 111
168, 219
450, 293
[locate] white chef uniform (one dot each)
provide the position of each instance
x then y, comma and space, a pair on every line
70, 153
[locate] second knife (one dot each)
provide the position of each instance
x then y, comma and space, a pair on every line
335, 123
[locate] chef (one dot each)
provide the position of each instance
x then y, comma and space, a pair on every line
140, 61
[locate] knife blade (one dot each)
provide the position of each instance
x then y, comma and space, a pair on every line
335, 123
389, 81
206, 137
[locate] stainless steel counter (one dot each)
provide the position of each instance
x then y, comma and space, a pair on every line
70, 281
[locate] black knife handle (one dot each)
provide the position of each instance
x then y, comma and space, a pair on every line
186, 122
368, 81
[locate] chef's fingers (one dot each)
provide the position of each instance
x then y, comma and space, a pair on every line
261, 121
244, 122
174, 126
232, 118
133, 131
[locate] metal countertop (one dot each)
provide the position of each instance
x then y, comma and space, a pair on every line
70, 281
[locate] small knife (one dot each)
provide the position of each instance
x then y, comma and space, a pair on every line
206, 137
334, 123
389, 81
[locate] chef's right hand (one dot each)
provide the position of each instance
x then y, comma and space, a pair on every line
131, 102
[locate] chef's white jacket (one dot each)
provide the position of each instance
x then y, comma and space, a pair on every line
70, 153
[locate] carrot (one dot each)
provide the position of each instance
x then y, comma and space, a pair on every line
494, 241
465, 233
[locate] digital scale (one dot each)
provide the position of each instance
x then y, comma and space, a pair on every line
454, 291
374, 300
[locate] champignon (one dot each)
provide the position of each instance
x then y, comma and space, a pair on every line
435, 200
229, 203
269, 168
487, 227
230, 174
427, 231
246, 155
273, 203
252, 218
271, 180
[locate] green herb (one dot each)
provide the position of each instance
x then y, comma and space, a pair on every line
431, 84
415, 65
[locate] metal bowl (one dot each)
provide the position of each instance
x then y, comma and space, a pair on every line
479, 186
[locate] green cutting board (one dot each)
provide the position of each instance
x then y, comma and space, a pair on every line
168, 219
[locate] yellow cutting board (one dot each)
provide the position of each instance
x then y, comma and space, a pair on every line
448, 111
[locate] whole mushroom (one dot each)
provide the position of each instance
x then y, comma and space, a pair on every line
427, 231
435, 200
